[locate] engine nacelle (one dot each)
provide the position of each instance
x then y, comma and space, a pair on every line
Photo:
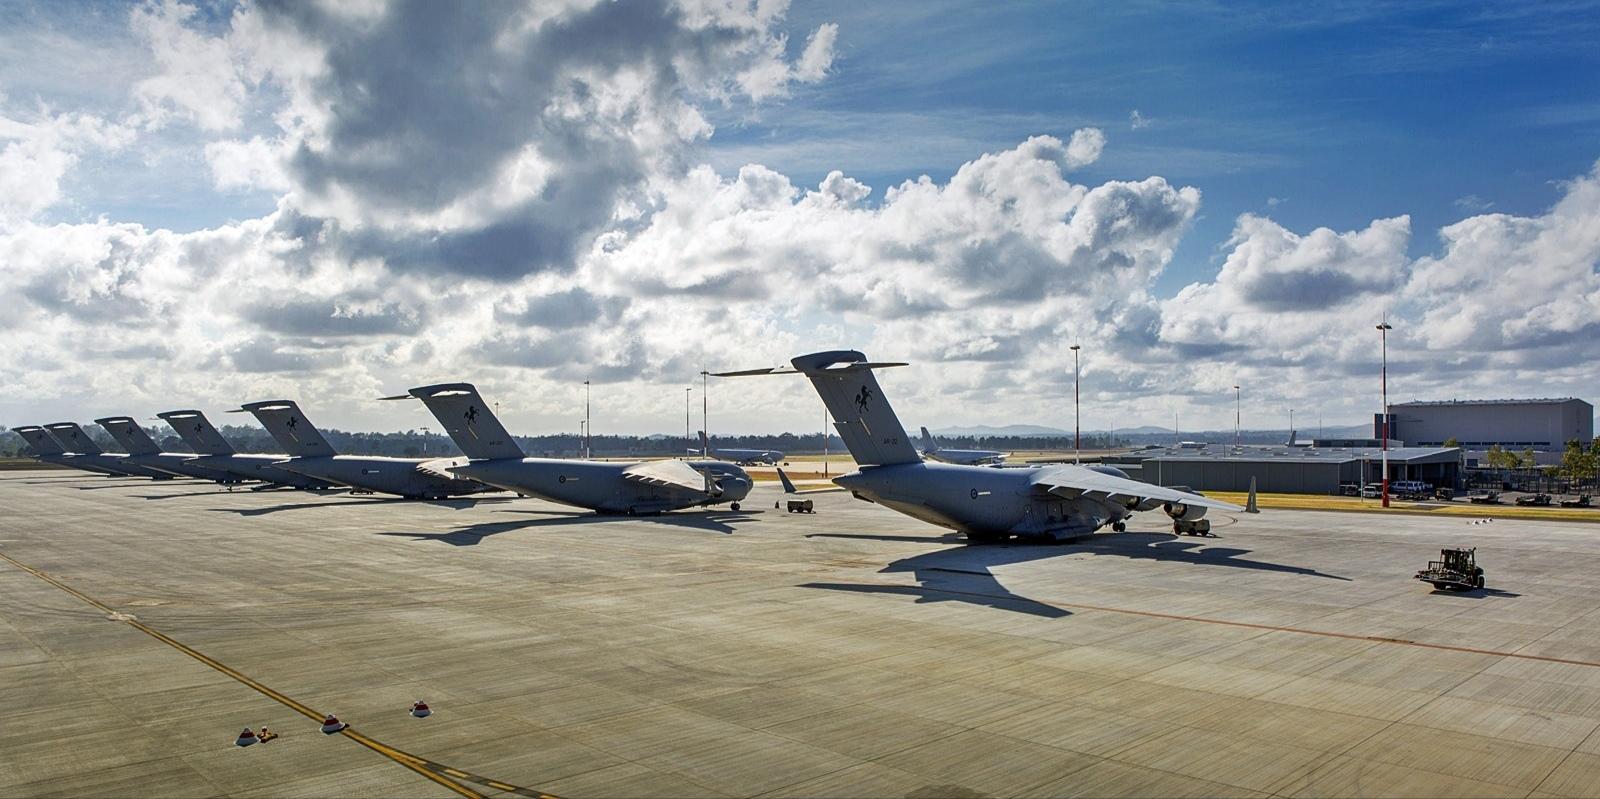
1183, 512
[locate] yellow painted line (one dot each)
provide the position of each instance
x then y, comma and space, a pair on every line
427, 768
1355, 505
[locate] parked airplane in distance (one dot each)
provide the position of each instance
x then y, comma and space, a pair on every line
216, 453
970, 457
83, 448
1053, 502
44, 448
743, 457
311, 455
631, 488
143, 451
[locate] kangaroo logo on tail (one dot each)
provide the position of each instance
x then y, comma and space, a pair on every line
291, 423
471, 414
862, 397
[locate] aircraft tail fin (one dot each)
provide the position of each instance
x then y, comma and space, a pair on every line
130, 435
73, 438
788, 485
928, 444
197, 431
869, 427
290, 428
468, 420
39, 440
844, 379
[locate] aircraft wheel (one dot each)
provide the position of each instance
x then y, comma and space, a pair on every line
734, 506
1119, 527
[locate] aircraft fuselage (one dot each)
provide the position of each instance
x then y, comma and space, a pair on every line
982, 501
401, 476
601, 486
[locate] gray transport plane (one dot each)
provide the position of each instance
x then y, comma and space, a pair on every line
971, 457
1054, 502
312, 455
46, 449
606, 487
743, 457
216, 453
143, 451
85, 450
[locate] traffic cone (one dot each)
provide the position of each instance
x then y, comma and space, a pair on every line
332, 724
420, 709
246, 738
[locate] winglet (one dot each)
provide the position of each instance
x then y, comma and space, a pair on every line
788, 485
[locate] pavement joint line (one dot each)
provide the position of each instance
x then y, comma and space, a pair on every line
429, 769
1155, 614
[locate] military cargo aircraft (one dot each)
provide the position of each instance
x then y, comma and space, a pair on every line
143, 451
971, 457
606, 487
743, 457
216, 453
84, 450
311, 455
1053, 502
46, 449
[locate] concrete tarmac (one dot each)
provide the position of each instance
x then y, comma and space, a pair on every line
854, 652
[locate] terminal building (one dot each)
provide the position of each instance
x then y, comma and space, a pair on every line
1288, 469
1543, 425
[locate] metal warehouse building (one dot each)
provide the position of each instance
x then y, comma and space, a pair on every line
1287, 470
1539, 424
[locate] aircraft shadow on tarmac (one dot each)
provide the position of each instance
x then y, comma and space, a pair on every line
454, 504
711, 521
965, 573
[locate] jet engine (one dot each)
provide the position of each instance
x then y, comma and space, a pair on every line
1183, 512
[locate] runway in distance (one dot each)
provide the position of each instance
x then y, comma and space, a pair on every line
605, 487
143, 451
215, 452
970, 457
311, 455
1052, 502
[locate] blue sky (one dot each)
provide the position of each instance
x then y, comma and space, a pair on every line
1342, 113
224, 201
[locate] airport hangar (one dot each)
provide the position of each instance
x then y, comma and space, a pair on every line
1541, 425
1288, 470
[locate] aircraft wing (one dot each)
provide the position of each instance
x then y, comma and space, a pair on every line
440, 467
1074, 482
668, 473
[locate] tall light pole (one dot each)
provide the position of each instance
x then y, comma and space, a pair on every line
583, 433
1383, 333
705, 414
588, 428
1238, 415
1077, 432
1291, 427
688, 440
825, 441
